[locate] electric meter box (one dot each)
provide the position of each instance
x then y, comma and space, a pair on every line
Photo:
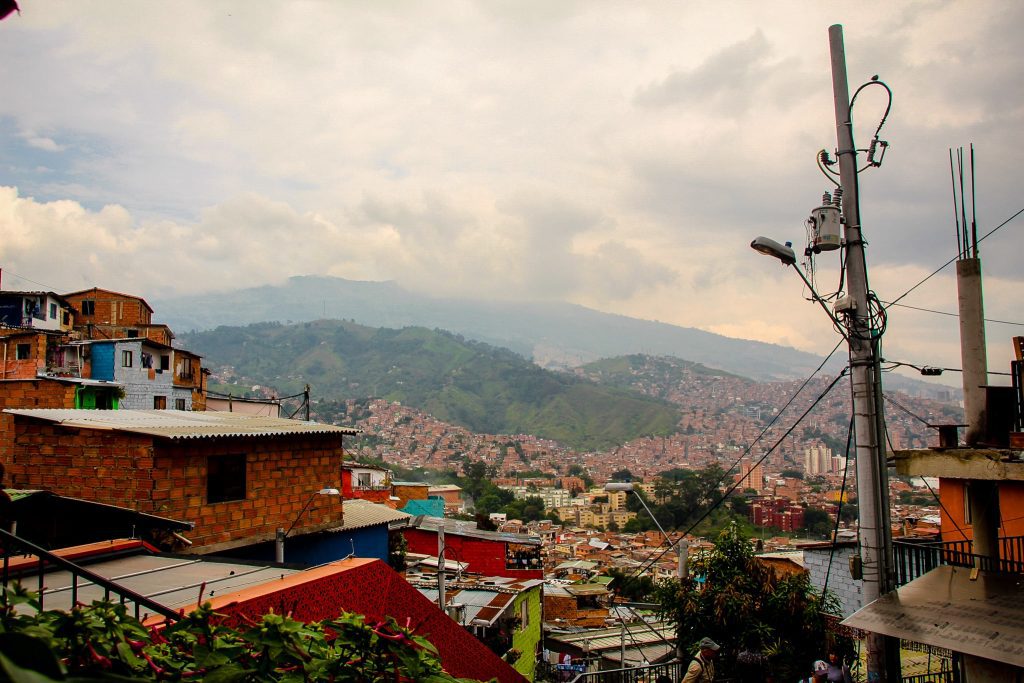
826, 228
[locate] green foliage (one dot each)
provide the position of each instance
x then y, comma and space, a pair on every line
818, 523
484, 388
630, 587
742, 604
102, 642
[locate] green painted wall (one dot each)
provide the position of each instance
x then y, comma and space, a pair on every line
527, 637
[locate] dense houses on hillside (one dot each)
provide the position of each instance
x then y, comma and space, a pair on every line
112, 455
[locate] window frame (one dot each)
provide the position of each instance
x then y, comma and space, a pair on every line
88, 307
127, 358
220, 469
23, 352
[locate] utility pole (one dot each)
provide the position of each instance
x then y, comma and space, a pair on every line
883, 663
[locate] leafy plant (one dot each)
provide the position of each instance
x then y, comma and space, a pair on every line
102, 642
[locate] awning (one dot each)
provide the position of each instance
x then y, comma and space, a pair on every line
945, 608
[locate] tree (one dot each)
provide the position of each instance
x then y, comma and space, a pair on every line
818, 522
622, 475
741, 604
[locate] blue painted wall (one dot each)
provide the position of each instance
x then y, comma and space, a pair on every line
103, 361
321, 548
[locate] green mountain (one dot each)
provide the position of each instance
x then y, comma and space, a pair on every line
484, 388
552, 334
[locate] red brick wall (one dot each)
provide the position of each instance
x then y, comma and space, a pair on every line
22, 393
22, 369
168, 478
111, 309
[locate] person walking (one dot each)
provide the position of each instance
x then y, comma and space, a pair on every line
836, 671
702, 666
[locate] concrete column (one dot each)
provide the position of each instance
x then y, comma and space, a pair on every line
973, 357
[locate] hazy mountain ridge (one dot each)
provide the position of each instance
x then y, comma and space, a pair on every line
484, 388
559, 333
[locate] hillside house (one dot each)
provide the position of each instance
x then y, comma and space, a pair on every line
103, 314
152, 375
236, 478
516, 556
504, 614
36, 310
368, 482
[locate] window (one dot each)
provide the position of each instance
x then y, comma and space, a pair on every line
131, 333
88, 307
24, 351
363, 480
160, 403
225, 478
53, 311
165, 362
179, 404
126, 359
524, 613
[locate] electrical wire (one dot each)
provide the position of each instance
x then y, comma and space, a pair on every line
952, 315
775, 419
940, 268
906, 410
729, 491
938, 500
839, 508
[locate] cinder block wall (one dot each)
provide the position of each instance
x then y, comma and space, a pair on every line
840, 583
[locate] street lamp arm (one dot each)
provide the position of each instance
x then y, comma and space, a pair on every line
321, 492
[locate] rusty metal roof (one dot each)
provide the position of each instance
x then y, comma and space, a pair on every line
359, 514
180, 424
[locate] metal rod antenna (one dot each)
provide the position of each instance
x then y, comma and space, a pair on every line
956, 209
974, 209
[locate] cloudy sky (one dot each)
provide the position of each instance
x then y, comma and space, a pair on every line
617, 155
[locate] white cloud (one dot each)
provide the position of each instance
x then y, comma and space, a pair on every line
619, 156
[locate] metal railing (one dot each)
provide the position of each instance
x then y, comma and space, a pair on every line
639, 674
80, 577
915, 559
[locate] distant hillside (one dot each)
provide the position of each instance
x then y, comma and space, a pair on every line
553, 334
486, 389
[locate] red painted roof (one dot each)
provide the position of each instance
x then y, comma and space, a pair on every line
373, 589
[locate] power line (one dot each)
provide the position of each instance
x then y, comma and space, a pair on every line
952, 315
735, 485
936, 271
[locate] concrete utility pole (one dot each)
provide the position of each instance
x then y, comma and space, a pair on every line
883, 662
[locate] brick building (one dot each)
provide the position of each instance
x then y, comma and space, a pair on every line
103, 314
236, 477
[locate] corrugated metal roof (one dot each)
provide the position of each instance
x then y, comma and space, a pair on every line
180, 424
460, 527
581, 589
359, 514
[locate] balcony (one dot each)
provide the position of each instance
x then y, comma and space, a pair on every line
914, 559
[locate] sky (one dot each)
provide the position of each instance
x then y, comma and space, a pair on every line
616, 155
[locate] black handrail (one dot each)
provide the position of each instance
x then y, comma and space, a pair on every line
11, 542
915, 559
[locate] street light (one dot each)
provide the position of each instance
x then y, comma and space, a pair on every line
282, 534
785, 253
770, 247
683, 546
